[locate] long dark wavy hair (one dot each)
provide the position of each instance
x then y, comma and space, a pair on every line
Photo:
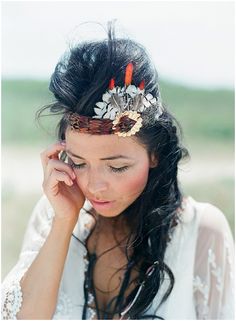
80, 79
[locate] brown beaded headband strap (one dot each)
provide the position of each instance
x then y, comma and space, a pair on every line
120, 111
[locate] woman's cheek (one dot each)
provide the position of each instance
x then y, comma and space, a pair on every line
136, 182
81, 181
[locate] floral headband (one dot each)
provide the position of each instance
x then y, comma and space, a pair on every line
119, 112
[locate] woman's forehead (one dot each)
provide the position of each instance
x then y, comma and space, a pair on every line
102, 145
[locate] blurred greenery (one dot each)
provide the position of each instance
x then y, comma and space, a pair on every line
202, 113
16, 212
220, 192
20, 100
207, 119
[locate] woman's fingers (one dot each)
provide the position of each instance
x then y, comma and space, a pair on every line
60, 184
55, 170
51, 152
52, 181
59, 166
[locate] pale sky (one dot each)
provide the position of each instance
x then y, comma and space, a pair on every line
191, 42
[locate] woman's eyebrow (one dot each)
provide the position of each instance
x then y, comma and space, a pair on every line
106, 158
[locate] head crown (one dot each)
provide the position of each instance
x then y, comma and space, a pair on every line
120, 111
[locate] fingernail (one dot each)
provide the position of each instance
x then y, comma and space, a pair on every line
63, 143
73, 176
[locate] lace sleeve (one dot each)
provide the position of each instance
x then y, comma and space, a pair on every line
213, 280
37, 230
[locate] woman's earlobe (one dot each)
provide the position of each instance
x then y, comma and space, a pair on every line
153, 165
153, 161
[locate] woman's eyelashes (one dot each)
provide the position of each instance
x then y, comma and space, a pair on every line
119, 169
112, 168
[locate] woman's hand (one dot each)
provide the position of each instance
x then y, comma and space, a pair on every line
60, 185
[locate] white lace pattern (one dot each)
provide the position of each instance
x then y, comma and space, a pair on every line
200, 251
12, 303
213, 281
64, 306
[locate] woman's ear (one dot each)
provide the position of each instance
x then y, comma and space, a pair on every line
153, 161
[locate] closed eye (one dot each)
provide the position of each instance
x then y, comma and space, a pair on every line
113, 169
78, 166
119, 169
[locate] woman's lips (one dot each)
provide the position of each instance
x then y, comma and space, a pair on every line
101, 204
96, 201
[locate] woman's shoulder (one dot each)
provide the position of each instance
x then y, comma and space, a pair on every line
208, 216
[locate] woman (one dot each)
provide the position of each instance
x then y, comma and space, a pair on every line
113, 237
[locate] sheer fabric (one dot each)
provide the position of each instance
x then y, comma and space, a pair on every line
200, 254
213, 276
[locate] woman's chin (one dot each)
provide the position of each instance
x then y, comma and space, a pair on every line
108, 212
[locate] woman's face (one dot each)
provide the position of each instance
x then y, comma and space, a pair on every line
111, 171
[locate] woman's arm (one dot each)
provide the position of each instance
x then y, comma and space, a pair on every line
214, 267
40, 284
30, 289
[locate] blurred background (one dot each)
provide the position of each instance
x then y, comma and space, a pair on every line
192, 46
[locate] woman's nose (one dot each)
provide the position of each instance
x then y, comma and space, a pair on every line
96, 184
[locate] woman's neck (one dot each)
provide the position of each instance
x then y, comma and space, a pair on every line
113, 229
110, 224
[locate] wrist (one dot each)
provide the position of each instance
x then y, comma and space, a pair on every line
64, 224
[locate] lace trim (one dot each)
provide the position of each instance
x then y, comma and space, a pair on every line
64, 305
202, 287
12, 304
91, 312
216, 271
229, 259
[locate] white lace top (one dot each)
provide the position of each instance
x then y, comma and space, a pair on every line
200, 255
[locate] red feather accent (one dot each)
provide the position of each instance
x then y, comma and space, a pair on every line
112, 83
128, 74
141, 85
